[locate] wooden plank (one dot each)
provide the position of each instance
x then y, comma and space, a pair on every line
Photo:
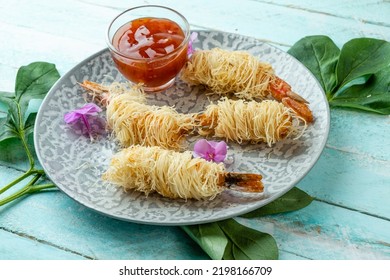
8, 174
41, 47
371, 130
216, 16
350, 181
364, 11
68, 18
7, 77
280, 24
284, 255
15, 247
58, 220
29, 225
322, 231
45, 41
353, 173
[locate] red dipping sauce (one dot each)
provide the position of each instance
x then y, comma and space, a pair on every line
150, 50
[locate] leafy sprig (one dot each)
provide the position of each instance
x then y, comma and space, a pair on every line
32, 82
357, 76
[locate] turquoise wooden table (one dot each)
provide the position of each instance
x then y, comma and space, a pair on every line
350, 215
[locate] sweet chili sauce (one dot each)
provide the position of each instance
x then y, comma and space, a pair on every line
151, 50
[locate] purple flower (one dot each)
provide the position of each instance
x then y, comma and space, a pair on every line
89, 109
210, 150
190, 49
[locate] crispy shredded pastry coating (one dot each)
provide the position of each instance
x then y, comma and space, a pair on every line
238, 120
134, 122
169, 173
225, 72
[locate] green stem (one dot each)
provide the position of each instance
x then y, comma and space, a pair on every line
26, 148
22, 135
21, 192
38, 171
329, 96
38, 188
21, 178
28, 189
14, 182
24, 191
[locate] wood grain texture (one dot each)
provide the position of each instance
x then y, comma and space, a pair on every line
368, 12
324, 231
350, 217
353, 170
58, 220
16, 247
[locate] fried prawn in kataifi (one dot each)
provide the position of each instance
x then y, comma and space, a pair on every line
134, 122
174, 174
240, 73
241, 121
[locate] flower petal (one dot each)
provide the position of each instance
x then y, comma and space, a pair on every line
71, 117
193, 36
190, 49
213, 144
202, 148
219, 158
88, 109
221, 148
210, 150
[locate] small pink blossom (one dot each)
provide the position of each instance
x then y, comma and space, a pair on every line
191, 50
210, 150
83, 113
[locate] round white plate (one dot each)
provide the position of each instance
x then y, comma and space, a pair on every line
75, 164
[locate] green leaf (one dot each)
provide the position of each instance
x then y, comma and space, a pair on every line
360, 57
228, 254
231, 240
247, 243
6, 94
17, 117
373, 96
293, 200
360, 78
29, 124
10, 125
6, 130
33, 82
209, 237
319, 54
6, 99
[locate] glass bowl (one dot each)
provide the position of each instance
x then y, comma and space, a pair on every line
149, 45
